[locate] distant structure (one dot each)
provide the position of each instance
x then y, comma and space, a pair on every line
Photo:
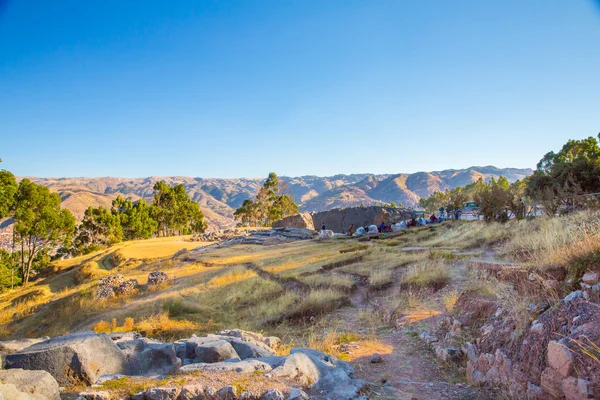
339, 219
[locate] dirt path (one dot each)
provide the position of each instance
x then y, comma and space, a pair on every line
409, 369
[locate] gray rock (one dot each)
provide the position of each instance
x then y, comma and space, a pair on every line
35, 382
162, 393
273, 394
194, 341
247, 349
12, 346
210, 393
574, 295
248, 395
9, 391
215, 352
240, 366
191, 392
297, 394
95, 395
376, 358
321, 371
145, 356
272, 341
227, 393
78, 357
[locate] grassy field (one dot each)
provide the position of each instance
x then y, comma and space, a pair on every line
283, 289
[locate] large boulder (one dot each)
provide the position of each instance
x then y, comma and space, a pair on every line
244, 344
302, 220
8, 391
220, 350
80, 357
146, 356
12, 346
339, 219
37, 383
324, 373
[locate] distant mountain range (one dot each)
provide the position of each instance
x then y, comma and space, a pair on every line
219, 198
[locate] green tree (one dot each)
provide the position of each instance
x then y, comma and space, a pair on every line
564, 179
273, 202
39, 224
8, 190
493, 199
135, 218
99, 227
174, 211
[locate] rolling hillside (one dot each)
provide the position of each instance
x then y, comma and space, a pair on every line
220, 197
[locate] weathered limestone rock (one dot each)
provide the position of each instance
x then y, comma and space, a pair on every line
240, 366
162, 393
338, 220
551, 383
78, 357
227, 393
560, 358
146, 356
215, 352
273, 342
12, 346
297, 394
9, 391
302, 220
273, 394
590, 278
34, 382
577, 389
191, 392
320, 371
95, 395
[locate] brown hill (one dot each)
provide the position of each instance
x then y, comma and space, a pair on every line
218, 198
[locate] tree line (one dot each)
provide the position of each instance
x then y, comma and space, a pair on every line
564, 181
43, 231
272, 203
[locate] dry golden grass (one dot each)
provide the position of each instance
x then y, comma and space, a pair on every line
556, 241
450, 299
328, 279
434, 274
380, 277
235, 274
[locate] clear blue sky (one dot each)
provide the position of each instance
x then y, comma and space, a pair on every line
241, 88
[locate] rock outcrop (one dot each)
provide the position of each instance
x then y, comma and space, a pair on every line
38, 384
302, 220
271, 237
548, 359
71, 359
35, 372
338, 220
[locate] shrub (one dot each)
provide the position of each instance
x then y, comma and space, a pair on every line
102, 327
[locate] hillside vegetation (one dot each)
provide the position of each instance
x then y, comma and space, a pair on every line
220, 197
278, 287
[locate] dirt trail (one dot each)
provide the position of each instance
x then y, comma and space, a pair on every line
409, 369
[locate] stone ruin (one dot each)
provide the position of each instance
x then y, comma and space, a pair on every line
339, 219
35, 369
115, 285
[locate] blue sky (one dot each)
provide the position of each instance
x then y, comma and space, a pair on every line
241, 88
